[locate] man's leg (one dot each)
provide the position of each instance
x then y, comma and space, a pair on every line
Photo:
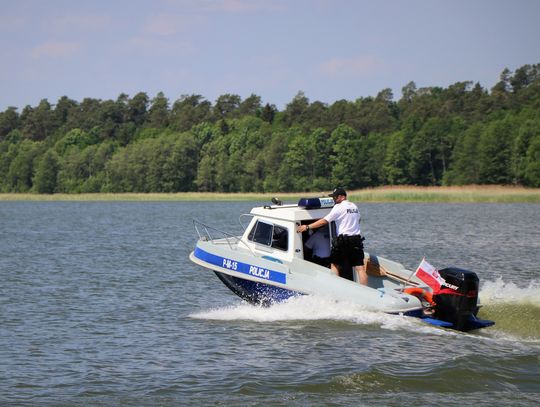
361, 275
335, 269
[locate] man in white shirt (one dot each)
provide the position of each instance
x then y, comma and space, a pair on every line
319, 243
347, 246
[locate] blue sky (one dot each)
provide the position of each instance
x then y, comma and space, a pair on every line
329, 49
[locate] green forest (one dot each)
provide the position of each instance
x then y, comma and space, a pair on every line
459, 135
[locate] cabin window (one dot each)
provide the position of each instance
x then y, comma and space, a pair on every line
280, 238
270, 235
261, 233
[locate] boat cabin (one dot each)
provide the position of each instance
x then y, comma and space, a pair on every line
272, 230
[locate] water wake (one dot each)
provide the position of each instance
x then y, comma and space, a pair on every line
499, 292
313, 308
516, 310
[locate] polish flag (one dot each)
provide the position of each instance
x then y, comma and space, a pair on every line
429, 275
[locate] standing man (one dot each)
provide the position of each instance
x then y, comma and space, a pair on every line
347, 246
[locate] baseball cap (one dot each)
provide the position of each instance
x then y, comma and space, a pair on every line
338, 192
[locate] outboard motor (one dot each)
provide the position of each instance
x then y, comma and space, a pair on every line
458, 302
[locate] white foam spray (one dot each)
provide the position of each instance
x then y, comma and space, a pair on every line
515, 309
500, 292
313, 308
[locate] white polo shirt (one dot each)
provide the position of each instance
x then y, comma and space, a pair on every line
347, 218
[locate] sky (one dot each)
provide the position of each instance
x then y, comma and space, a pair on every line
328, 49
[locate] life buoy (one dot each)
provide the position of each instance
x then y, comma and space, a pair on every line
421, 294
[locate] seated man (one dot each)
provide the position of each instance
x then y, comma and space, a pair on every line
319, 243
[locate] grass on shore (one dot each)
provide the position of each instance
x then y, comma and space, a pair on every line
465, 194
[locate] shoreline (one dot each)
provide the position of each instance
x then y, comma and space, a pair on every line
454, 194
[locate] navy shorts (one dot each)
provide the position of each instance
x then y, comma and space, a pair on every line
348, 249
322, 261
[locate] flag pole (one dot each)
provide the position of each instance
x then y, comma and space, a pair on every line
412, 274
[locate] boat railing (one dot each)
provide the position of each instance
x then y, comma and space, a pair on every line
218, 237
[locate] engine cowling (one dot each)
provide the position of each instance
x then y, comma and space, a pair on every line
458, 301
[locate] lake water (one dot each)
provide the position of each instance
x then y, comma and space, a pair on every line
99, 305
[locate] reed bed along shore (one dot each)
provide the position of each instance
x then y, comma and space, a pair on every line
464, 194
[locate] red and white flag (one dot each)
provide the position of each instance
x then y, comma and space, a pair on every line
429, 275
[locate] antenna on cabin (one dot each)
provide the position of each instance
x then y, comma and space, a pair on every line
277, 201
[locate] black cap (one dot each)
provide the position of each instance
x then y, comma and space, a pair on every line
338, 192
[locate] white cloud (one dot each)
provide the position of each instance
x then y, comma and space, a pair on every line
167, 24
230, 6
355, 66
158, 46
246, 6
55, 49
86, 22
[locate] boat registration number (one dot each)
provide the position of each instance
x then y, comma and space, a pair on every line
239, 267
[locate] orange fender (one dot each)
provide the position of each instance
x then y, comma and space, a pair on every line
421, 294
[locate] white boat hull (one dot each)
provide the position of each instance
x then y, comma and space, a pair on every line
265, 280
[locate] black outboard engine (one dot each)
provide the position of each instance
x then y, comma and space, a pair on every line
458, 302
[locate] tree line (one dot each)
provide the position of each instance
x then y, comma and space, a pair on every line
462, 134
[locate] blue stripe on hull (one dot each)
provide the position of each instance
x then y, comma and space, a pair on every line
239, 267
255, 292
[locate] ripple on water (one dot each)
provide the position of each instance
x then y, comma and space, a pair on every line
100, 306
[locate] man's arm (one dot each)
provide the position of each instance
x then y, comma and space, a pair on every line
315, 225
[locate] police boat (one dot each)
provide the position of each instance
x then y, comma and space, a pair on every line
270, 263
